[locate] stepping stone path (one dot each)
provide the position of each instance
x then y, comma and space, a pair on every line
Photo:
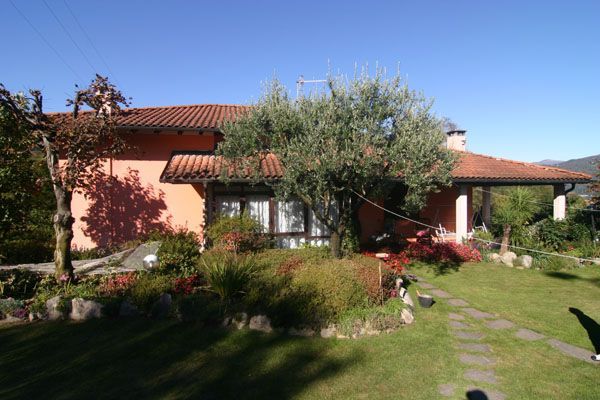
440, 293
477, 347
456, 317
458, 324
529, 335
457, 302
468, 343
473, 359
571, 350
425, 285
500, 324
473, 312
481, 376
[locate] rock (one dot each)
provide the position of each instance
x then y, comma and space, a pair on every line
135, 259
56, 308
596, 261
128, 309
524, 261
82, 310
306, 332
162, 307
329, 332
407, 316
9, 319
508, 258
260, 323
226, 322
406, 298
240, 320
495, 258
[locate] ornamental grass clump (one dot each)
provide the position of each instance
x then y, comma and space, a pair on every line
227, 275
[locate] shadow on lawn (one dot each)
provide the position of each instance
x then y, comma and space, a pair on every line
568, 276
591, 326
158, 359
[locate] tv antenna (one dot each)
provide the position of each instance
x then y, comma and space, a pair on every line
300, 84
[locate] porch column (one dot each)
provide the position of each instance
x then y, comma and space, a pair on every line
560, 202
462, 214
486, 205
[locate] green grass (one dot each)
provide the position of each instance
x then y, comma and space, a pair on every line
533, 299
168, 359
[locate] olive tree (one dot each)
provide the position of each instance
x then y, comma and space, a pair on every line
347, 142
75, 146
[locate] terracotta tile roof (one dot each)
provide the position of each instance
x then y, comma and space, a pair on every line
478, 167
188, 167
195, 116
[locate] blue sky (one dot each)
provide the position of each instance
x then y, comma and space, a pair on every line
522, 77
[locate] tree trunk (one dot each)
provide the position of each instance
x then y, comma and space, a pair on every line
335, 244
63, 229
505, 239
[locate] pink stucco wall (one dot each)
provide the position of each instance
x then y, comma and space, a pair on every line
129, 200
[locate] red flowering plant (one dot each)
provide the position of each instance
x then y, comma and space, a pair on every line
443, 252
118, 284
394, 265
187, 285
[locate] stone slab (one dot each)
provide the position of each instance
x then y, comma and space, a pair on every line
458, 324
481, 376
456, 317
425, 285
570, 350
477, 347
457, 302
474, 359
468, 335
446, 389
477, 314
484, 394
499, 324
135, 259
529, 335
440, 293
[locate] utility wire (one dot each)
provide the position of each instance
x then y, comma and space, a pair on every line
64, 28
536, 202
474, 238
89, 39
45, 40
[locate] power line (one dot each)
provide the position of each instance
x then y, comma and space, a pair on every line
45, 41
536, 202
89, 39
474, 238
64, 28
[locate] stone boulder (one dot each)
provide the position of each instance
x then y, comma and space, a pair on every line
524, 261
329, 332
304, 331
407, 316
136, 259
240, 320
128, 309
56, 308
82, 310
260, 323
508, 258
162, 307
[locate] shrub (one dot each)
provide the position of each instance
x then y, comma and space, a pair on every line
27, 250
443, 252
186, 285
237, 233
558, 234
117, 284
227, 275
179, 252
148, 288
200, 306
18, 283
12, 307
553, 263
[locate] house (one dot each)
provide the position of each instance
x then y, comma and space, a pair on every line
173, 178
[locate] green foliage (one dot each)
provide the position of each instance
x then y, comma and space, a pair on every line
179, 252
516, 210
237, 233
355, 138
227, 275
147, 289
9, 306
379, 318
553, 263
18, 283
199, 306
559, 235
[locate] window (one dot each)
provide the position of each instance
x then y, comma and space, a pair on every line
257, 207
228, 205
289, 216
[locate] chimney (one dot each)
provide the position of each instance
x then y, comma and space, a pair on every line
456, 140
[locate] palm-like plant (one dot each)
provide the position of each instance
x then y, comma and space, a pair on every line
515, 210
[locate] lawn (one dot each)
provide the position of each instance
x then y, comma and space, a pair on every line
543, 301
168, 359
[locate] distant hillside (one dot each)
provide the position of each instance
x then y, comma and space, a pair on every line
586, 165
